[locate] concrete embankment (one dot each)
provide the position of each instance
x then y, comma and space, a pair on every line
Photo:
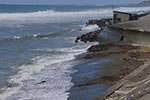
135, 72
135, 86
137, 31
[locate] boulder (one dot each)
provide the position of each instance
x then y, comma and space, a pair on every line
89, 37
100, 22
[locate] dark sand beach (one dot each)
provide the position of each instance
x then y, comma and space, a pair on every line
121, 60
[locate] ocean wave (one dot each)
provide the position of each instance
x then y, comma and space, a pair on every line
90, 28
133, 9
45, 77
73, 49
52, 16
38, 35
50, 13
53, 70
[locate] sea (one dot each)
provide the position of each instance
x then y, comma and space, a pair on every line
38, 54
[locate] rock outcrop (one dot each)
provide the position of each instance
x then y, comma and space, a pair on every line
89, 37
94, 36
100, 22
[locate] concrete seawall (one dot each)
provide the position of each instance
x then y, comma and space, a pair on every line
133, 36
133, 87
136, 85
134, 31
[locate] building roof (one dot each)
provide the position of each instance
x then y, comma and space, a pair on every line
129, 13
142, 24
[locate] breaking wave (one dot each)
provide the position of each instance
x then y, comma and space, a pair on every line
52, 13
90, 28
44, 78
38, 35
52, 16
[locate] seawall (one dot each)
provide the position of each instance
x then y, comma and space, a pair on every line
136, 85
132, 87
137, 31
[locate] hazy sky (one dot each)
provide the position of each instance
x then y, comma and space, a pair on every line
82, 2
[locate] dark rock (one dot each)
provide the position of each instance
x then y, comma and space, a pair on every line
94, 36
122, 38
9, 85
89, 37
42, 82
99, 22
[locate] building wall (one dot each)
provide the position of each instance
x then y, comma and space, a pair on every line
108, 35
124, 17
137, 37
133, 36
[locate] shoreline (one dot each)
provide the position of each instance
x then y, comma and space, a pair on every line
132, 87
127, 60
128, 74
120, 61
86, 71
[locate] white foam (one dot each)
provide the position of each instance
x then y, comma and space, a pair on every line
73, 50
51, 13
133, 9
67, 50
9, 91
90, 28
51, 16
35, 35
42, 35
53, 69
58, 82
38, 64
17, 37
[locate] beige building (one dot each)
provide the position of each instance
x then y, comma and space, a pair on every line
123, 16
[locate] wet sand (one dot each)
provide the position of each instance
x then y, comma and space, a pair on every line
104, 65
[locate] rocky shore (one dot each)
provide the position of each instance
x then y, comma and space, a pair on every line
128, 73
89, 37
100, 22
94, 36
127, 58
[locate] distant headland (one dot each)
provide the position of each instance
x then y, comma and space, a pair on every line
144, 2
